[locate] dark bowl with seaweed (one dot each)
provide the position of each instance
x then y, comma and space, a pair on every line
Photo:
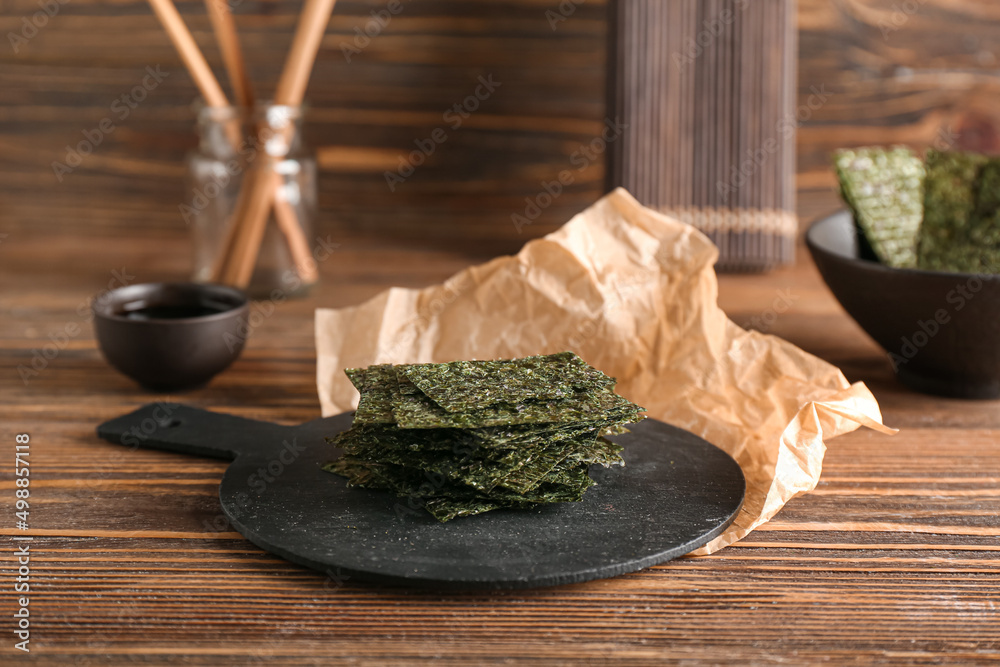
940, 329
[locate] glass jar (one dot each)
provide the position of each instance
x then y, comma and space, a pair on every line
263, 148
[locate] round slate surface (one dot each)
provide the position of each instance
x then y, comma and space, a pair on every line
676, 493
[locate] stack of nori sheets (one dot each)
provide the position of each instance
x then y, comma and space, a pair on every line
471, 436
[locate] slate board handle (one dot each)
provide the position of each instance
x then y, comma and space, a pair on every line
180, 428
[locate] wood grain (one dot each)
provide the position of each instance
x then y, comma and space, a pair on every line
393, 93
929, 77
894, 558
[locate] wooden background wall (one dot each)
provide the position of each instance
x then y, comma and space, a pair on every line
912, 71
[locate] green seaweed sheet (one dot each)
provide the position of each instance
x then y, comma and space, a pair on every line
377, 385
940, 215
446, 499
415, 410
949, 206
529, 439
961, 226
462, 385
884, 189
518, 468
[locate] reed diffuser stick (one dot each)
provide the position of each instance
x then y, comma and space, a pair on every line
189, 52
232, 55
214, 96
291, 88
305, 46
288, 222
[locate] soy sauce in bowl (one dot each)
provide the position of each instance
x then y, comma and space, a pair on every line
173, 312
171, 336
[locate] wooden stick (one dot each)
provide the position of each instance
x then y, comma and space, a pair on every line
232, 54
288, 222
206, 82
305, 46
286, 216
238, 263
290, 90
189, 52
232, 57
231, 267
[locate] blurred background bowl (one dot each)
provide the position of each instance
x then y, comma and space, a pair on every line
171, 336
941, 330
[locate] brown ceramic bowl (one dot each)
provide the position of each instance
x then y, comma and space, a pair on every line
170, 336
941, 330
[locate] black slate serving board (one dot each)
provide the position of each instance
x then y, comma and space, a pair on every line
676, 493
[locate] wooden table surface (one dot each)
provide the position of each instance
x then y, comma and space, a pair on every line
894, 558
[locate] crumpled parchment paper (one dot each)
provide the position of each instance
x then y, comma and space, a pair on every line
634, 293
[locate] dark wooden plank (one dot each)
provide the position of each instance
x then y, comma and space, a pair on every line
918, 73
395, 92
893, 559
